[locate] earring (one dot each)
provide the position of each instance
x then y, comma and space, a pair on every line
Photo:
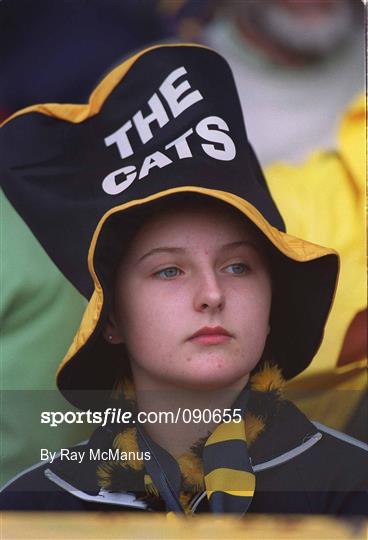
109, 337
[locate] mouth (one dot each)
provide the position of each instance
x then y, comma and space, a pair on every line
211, 336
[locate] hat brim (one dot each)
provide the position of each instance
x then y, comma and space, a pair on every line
305, 273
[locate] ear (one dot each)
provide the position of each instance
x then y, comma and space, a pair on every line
111, 333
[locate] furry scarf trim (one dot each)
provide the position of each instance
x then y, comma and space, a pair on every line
267, 383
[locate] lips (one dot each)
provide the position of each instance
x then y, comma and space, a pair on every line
211, 335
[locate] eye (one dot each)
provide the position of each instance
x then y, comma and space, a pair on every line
237, 268
168, 273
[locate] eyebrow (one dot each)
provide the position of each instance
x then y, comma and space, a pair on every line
179, 250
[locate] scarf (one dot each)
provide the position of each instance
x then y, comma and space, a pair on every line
219, 464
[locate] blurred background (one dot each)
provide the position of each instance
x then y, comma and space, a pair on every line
297, 63
299, 66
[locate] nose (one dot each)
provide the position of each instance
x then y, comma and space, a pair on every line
209, 295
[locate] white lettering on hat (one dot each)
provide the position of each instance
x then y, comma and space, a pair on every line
110, 186
158, 115
120, 138
177, 102
181, 145
157, 159
172, 93
228, 152
205, 129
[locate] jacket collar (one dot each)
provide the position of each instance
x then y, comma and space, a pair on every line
277, 432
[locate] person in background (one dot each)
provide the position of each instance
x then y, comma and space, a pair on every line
40, 310
297, 64
323, 200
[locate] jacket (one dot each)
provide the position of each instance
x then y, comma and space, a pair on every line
323, 200
301, 467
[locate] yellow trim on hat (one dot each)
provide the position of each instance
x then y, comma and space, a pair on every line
77, 113
292, 247
87, 325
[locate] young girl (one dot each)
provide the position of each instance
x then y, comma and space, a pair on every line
200, 304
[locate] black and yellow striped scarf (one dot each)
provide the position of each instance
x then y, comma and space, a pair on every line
228, 473
220, 464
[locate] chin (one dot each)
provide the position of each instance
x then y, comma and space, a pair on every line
202, 379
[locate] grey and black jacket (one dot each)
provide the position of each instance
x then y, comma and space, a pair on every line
301, 467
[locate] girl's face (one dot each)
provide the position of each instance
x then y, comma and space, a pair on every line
193, 298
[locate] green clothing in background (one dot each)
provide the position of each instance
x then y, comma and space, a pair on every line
40, 312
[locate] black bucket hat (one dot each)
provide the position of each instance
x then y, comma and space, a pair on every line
164, 124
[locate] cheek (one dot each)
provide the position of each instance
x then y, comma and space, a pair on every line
253, 305
148, 318
133, 313
252, 308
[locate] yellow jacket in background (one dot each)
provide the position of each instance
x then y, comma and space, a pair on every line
323, 200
